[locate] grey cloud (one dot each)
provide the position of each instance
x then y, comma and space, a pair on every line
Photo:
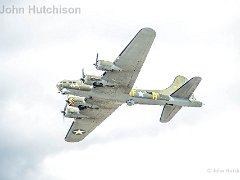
27, 138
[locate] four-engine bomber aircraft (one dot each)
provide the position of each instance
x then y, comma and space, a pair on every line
93, 98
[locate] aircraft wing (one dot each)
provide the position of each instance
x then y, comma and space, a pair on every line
131, 59
80, 128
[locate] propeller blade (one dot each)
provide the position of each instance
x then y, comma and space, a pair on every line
83, 74
64, 111
96, 61
63, 117
97, 58
65, 108
67, 100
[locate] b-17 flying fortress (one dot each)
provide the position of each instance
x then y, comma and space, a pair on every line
92, 99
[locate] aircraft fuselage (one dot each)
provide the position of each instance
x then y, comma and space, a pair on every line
136, 96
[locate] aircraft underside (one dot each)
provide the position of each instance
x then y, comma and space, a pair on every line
91, 99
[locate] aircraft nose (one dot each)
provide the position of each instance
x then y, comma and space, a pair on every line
59, 86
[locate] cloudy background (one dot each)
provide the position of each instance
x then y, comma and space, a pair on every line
194, 38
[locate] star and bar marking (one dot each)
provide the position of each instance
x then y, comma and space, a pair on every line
140, 94
133, 92
78, 132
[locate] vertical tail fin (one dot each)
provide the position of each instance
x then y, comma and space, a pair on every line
184, 92
177, 83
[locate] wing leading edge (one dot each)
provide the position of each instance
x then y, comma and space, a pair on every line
131, 59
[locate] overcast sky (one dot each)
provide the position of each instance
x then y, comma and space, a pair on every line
194, 38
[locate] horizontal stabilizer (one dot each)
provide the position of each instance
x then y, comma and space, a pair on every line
168, 112
186, 90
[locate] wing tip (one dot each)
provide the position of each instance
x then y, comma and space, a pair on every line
164, 120
149, 30
197, 79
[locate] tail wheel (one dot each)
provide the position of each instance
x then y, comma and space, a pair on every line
130, 102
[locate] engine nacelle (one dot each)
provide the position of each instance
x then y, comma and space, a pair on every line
82, 87
96, 81
80, 102
106, 66
65, 85
75, 101
73, 112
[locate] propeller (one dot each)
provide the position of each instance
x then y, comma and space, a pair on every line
67, 101
96, 60
64, 111
83, 75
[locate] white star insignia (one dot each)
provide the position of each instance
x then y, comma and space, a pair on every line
79, 132
140, 94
